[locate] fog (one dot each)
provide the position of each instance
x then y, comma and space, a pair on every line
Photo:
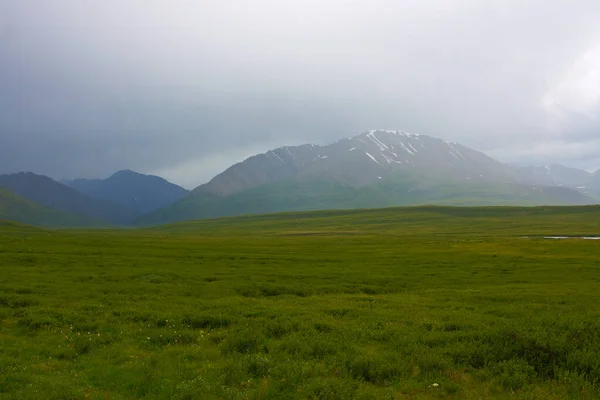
184, 89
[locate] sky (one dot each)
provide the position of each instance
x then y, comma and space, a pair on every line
184, 89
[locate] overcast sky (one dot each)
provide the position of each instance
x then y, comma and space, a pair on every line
184, 89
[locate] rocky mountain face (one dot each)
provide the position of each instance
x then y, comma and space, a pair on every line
138, 192
384, 154
363, 160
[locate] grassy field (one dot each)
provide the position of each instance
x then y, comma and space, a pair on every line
408, 303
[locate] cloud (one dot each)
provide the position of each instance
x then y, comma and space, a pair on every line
578, 92
183, 87
200, 170
584, 155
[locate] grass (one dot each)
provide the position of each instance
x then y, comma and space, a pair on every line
408, 303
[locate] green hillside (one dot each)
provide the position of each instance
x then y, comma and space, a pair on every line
311, 194
56, 196
12, 226
422, 302
16, 208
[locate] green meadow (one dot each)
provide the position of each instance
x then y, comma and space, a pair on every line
400, 303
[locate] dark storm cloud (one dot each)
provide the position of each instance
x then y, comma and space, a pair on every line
186, 88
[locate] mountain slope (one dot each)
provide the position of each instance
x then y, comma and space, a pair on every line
301, 194
19, 209
139, 192
556, 175
51, 194
375, 169
594, 184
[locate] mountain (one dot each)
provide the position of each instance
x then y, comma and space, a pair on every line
139, 192
594, 184
375, 169
363, 160
556, 175
56, 196
19, 209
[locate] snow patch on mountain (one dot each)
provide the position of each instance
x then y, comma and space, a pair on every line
407, 149
279, 158
382, 146
373, 158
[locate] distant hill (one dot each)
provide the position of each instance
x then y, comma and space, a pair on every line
556, 175
378, 168
594, 184
139, 192
56, 196
19, 209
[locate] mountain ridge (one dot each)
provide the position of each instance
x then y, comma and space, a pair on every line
397, 151
379, 167
51, 194
139, 192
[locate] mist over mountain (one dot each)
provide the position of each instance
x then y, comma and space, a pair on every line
183, 89
594, 184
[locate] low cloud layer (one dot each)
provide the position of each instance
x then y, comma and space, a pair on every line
185, 88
